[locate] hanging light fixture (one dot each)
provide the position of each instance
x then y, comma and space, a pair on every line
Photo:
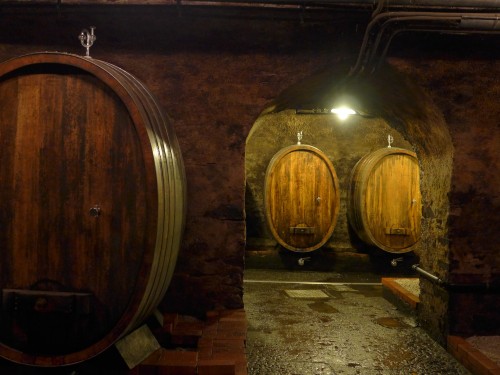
343, 112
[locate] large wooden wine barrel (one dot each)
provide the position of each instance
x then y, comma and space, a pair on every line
302, 198
384, 202
93, 200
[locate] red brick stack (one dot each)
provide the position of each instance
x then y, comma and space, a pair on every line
214, 346
475, 361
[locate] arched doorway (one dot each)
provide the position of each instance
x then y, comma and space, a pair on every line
389, 105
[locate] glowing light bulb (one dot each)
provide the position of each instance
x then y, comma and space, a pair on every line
343, 112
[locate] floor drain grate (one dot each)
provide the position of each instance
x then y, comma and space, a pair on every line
306, 293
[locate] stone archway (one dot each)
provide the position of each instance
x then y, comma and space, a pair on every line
391, 104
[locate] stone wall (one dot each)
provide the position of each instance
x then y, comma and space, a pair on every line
214, 74
465, 90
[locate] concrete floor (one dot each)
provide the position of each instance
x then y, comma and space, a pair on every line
322, 323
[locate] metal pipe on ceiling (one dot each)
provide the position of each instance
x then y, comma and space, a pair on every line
443, 22
450, 16
391, 17
360, 4
463, 25
447, 3
407, 4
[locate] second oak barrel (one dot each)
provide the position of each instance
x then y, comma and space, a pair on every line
384, 202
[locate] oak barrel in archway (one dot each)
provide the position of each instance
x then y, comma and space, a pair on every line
301, 198
384, 201
93, 202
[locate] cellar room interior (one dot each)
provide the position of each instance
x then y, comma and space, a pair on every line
248, 86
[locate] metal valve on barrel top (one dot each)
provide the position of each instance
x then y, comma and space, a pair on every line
87, 39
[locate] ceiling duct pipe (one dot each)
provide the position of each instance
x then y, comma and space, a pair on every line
384, 26
438, 5
393, 4
469, 5
389, 17
378, 5
444, 3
